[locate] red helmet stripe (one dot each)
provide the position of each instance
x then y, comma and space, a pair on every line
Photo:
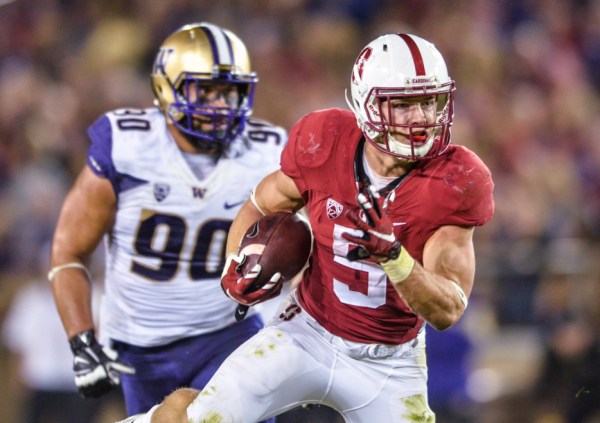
416, 53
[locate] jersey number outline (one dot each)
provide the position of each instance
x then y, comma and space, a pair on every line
349, 292
262, 133
162, 236
131, 123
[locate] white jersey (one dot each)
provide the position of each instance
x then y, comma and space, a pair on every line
165, 252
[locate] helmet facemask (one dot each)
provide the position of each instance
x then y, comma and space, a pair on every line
410, 141
197, 115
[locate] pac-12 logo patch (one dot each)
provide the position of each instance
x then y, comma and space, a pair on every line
161, 191
334, 209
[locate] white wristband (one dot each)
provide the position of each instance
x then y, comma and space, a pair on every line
73, 265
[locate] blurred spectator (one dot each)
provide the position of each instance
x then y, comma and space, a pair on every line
448, 355
569, 381
33, 333
528, 73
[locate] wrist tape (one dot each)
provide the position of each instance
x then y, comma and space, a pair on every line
400, 268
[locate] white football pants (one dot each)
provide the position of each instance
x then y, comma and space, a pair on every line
297, 361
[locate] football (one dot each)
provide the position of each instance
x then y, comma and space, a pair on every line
279, 242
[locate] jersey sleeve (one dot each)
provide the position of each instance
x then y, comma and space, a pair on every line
99, 156
313, 141
289, 166
476, 207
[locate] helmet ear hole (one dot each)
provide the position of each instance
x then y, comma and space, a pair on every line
363, 88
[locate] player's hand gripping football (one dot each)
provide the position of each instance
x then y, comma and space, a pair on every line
378, 239
97, 369
247, 289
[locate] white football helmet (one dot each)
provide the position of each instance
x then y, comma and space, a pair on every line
399, 66
190, 61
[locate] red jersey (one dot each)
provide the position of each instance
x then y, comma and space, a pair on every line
354, 300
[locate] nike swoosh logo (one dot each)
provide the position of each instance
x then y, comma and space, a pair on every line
80, 360
240, 312
232, 205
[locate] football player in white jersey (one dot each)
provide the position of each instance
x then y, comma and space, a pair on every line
161, 188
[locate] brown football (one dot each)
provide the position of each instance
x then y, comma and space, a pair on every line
279, 242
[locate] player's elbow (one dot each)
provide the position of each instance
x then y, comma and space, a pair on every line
440, 326
444, 320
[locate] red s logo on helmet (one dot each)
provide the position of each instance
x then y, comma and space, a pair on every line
360, 62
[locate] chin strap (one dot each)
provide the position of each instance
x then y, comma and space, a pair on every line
215, 148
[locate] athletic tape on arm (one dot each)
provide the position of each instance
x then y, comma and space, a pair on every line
73, 265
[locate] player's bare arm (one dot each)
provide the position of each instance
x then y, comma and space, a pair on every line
275, 192
438, 290
87, 213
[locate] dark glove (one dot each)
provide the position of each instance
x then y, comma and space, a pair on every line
378, 239
244, 289
97, 369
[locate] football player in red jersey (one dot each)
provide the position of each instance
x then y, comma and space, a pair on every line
393, 206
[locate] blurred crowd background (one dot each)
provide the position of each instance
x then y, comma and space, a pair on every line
528, 82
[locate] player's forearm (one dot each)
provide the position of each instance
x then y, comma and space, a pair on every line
72, 295
433, 297
274, 193
247, 215
70, 282
438, 289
